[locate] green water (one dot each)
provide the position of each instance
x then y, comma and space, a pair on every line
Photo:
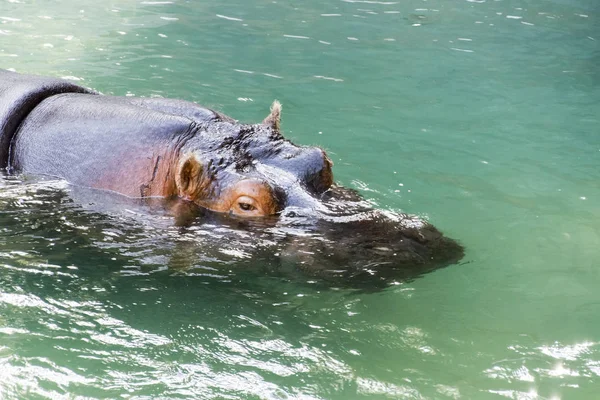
481, 115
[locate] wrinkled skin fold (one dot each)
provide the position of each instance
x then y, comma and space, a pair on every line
247, 176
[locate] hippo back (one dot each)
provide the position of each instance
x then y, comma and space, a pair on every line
19, 94
123, 144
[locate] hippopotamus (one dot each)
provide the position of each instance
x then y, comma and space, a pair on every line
175, 149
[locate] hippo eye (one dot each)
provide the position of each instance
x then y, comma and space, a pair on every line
246, 206
252, 198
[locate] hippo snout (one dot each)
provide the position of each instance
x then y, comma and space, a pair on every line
373, 248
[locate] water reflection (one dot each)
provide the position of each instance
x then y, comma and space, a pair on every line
343, 250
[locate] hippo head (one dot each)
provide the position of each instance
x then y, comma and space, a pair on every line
252, 170
252, 175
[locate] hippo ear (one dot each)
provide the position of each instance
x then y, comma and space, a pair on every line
274, 118
190, 181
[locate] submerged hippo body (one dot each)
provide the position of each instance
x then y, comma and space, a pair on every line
142, 147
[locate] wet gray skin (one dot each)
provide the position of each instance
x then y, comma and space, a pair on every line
142, 148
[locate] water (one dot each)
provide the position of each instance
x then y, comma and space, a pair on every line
482, 116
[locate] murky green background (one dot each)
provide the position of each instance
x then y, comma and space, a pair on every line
481, 115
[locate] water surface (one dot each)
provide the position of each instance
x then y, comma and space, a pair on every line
481, 115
